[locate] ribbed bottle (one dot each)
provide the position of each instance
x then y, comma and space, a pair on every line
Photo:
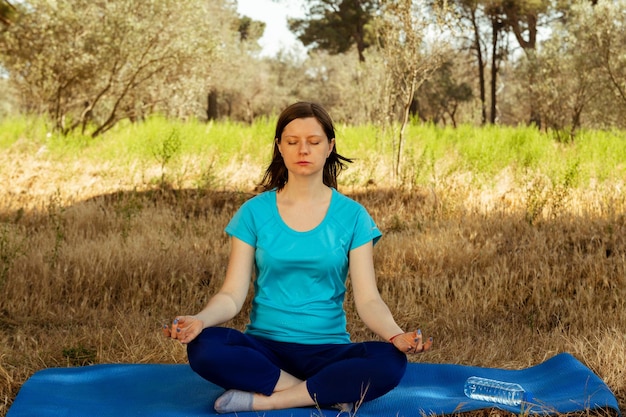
494, 391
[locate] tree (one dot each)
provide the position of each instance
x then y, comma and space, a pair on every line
409, 60
499, 51
602, 28
336, 25
483, 21
89, 64
598, 31
7, 11
234, 83
440, 96
250, 29
565, 86
523, 17
471, 7
579, 70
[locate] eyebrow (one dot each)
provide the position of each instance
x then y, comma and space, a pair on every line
306, 137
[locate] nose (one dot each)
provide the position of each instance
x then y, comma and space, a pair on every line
303, 147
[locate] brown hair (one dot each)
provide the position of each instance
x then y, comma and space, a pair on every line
276, 173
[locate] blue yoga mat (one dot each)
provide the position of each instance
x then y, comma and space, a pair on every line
561, 384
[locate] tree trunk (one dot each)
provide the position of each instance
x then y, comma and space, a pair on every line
481, 68
495, 31
211, 109
406, 112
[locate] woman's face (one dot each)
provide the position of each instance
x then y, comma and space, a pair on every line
304, 146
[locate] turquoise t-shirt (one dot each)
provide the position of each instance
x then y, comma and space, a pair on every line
300, 276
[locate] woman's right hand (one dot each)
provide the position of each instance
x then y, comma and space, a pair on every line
411, 342
184, 328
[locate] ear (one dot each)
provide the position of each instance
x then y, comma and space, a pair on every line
331, 147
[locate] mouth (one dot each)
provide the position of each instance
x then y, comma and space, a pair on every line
303, 163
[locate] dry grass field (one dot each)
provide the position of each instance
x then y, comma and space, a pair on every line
93, 261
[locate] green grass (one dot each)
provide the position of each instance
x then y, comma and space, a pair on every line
431, 153
19, 131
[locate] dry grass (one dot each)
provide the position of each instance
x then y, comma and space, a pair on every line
93, 264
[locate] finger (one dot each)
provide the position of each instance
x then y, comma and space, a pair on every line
186, 330
428, 344
166, 331
418, 340
175, 330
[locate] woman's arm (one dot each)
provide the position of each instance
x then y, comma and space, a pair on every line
226, 303
371, 307
369, 304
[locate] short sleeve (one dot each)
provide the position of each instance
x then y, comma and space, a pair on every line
242, 225
365, 229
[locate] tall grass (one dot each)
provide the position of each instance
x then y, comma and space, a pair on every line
502, 244
431, 153
19, 131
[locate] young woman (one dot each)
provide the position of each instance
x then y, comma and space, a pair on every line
300, 238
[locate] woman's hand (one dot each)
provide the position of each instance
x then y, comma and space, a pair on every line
184, 328
411, 342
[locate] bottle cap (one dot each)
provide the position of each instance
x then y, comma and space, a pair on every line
528, 397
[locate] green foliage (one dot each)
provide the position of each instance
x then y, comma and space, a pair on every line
88, 65
439, 97
335, 26
7, 12
491, 149
167, 150
30, 131
431, 153
603, 154
155, 136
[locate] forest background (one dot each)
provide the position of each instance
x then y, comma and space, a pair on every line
489, 147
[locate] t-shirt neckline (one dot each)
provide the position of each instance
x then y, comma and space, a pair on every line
296, 232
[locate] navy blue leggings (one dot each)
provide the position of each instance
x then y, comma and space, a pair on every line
334, 373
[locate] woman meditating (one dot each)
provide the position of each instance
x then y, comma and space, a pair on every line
299, 239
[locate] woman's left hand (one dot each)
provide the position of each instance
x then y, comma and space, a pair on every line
184, 328
411, 342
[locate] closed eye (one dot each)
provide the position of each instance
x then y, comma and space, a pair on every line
311, 142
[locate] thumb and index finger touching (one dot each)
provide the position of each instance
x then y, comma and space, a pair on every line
412, 342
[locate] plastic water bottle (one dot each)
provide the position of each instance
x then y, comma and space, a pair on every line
491, 390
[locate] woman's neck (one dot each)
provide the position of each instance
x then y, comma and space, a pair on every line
303, 208
304, 191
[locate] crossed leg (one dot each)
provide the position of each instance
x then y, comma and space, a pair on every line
255, 379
